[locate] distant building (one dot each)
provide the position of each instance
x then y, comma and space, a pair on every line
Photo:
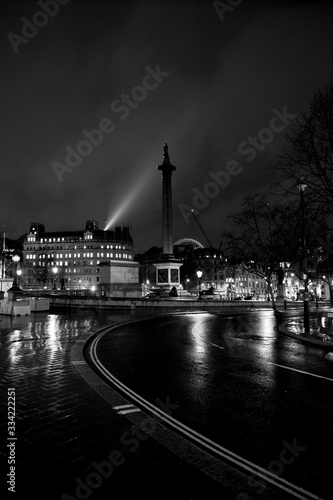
209, 260
84, 259
227, 278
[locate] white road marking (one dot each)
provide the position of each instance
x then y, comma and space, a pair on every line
220, 347
301, 371
205, 442
124, 412
122, 407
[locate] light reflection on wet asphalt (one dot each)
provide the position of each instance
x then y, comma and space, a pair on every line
221, 369
235, 394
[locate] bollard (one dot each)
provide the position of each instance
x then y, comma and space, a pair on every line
285, 304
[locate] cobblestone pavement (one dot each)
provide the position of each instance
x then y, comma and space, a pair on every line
67, 434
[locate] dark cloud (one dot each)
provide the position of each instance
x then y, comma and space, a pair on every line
224, 80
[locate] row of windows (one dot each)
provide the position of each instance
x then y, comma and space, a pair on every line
79, 280
77, 247
78, 255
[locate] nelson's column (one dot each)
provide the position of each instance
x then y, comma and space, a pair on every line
167, 268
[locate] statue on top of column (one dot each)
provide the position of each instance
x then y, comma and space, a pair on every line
166, 154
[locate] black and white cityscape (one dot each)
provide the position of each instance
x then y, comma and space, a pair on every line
166, 249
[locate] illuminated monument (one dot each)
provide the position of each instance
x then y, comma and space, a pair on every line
167, 268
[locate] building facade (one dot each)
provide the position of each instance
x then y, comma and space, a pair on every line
72, 259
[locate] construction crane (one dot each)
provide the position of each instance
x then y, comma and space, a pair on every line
202, 229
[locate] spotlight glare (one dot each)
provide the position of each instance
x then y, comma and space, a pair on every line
126, 203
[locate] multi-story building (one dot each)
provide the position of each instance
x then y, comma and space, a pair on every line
77, 259
227, 278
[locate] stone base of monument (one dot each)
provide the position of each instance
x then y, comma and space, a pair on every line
167, 276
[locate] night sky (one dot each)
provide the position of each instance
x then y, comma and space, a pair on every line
218, 79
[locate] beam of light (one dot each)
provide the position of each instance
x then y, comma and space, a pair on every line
127, 201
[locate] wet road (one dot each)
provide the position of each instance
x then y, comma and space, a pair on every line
237, 382
229, 376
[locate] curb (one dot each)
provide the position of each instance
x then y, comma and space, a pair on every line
230, 478
307, 339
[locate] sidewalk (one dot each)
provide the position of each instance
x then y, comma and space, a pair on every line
66, 432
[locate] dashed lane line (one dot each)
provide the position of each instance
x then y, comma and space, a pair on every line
220, 347
124, 409
301, 371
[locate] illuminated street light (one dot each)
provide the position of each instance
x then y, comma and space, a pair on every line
199, 274
301, 187
15, 291
16, 260
55, 271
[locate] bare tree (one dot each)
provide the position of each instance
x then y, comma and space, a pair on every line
263, 237
307, 155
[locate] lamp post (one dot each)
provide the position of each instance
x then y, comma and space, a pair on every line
16, 260
199, 274
55, 271
15, 291
301, 188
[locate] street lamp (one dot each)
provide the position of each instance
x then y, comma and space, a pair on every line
54, 270
199, 274
16, 260
301, 188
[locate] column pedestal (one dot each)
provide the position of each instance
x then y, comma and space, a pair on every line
167, 275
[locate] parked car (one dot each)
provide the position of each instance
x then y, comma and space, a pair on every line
248, 297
